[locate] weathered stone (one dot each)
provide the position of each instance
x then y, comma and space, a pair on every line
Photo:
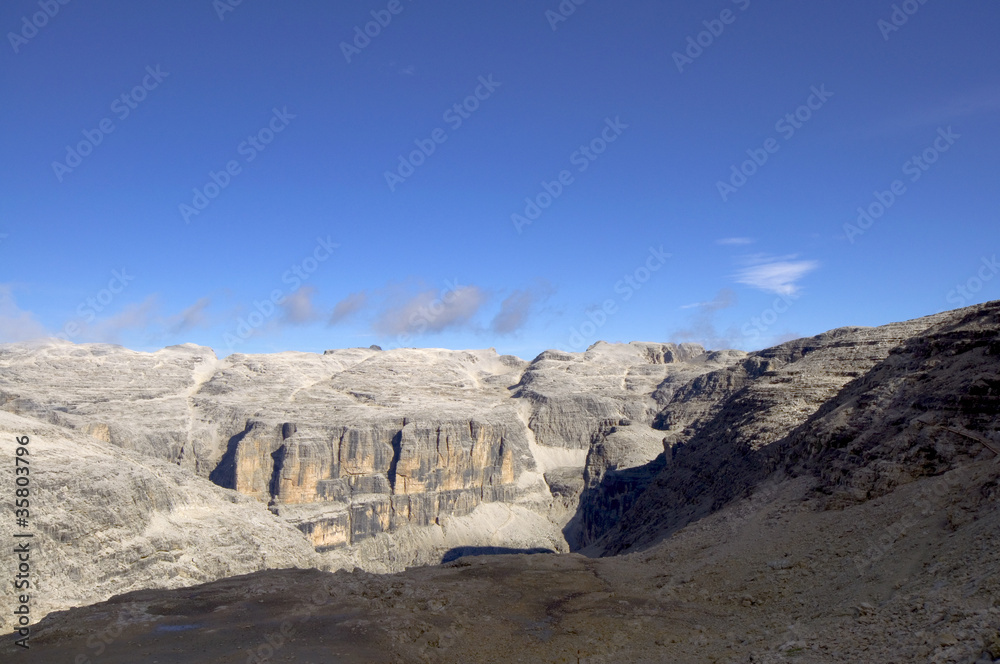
373, 441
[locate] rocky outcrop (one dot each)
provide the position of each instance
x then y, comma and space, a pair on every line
587, 402
357, 444
623, 461
107, 520
716, 425
382, 477
771, 580
573, 395
931, 406
833, 499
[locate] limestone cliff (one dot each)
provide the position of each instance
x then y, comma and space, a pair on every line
106, 520
359, 443
822, 405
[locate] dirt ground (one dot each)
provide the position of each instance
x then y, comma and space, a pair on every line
913, 576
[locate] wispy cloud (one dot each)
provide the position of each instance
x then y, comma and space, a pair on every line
17, 324
517, 307
775, 275
430, 311
702, 326
298, 308
192, 317
723, 300
347, 307
979, 102
408, 70
145, 319
136, 317
735, 241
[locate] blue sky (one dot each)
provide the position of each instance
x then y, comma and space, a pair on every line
521, 175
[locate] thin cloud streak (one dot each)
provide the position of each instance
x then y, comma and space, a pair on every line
778, 277
191, 318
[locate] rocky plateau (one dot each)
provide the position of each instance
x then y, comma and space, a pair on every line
830, 499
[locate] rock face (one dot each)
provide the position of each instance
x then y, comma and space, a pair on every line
771, 579
933, 405
389, 459
843, 405
390, 448
589, 403
623, 461
107, 520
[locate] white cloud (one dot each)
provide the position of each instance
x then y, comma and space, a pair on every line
132, 318
979, 102
144, 318
723, 300
775, 275
735, 241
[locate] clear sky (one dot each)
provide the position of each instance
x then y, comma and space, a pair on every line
266, 176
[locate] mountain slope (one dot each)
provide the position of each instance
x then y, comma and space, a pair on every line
107, 520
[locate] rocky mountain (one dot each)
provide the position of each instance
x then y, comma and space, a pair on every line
717, 425
107, 520
831, 499
378, 459
863, 410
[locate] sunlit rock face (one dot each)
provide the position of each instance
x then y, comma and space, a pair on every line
167, 469
362, 444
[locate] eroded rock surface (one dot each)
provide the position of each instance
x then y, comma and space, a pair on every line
773, 579
832, 498
107, 520
381, 459
719, 427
